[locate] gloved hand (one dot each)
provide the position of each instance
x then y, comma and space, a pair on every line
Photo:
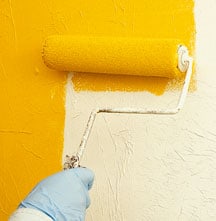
62, 196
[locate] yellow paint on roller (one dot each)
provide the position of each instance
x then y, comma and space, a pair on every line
113, 55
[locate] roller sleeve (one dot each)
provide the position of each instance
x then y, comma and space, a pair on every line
113, 55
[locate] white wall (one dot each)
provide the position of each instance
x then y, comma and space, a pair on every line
153, 167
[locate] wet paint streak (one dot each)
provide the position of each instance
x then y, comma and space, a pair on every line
14, 132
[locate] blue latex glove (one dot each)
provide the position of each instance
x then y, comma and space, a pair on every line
62, 196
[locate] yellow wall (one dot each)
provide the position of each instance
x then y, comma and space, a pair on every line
32, 96
31, 103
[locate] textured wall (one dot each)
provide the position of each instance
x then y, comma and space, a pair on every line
153, 167
158, 168
147, 167
31, 102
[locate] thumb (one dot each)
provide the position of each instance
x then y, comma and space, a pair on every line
86, 176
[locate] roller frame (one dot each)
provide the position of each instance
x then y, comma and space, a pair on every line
185, 64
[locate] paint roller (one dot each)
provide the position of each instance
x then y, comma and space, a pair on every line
118, 55
109, 55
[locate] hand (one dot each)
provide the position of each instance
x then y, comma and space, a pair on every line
62, 196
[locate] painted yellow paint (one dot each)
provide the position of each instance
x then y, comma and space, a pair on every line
31, 103
139, 18
100, 82
32, 96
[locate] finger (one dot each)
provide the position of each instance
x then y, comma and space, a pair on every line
86, 175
